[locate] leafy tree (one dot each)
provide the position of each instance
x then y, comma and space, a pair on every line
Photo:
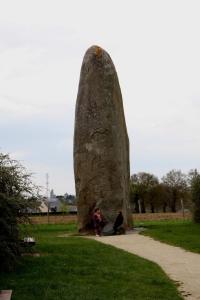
142, 185
192, 174
158, 198
164, 196
17, 196
176, 182
134, 194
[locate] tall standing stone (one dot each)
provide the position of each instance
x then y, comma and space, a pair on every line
101, 145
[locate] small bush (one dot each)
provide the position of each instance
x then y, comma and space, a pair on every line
9, 234
17, 196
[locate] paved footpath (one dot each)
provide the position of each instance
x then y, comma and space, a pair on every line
180, 265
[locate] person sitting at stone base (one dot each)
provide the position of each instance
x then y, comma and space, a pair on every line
117, 227
98, 221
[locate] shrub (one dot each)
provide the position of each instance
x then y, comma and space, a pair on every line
9, 233
17, 196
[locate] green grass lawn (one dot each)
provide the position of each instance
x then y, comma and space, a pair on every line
180, 233
79, 268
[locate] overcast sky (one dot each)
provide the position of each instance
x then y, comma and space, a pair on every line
155, 46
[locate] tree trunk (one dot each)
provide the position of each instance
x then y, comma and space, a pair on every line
174, 200
137, 209
152, 208
143, 209
164, 207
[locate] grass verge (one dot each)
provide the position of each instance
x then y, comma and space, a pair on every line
180, 233
78, 268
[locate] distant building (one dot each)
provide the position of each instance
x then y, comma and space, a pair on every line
43, 206
54, 202
70, 199
72, 209
58, 203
